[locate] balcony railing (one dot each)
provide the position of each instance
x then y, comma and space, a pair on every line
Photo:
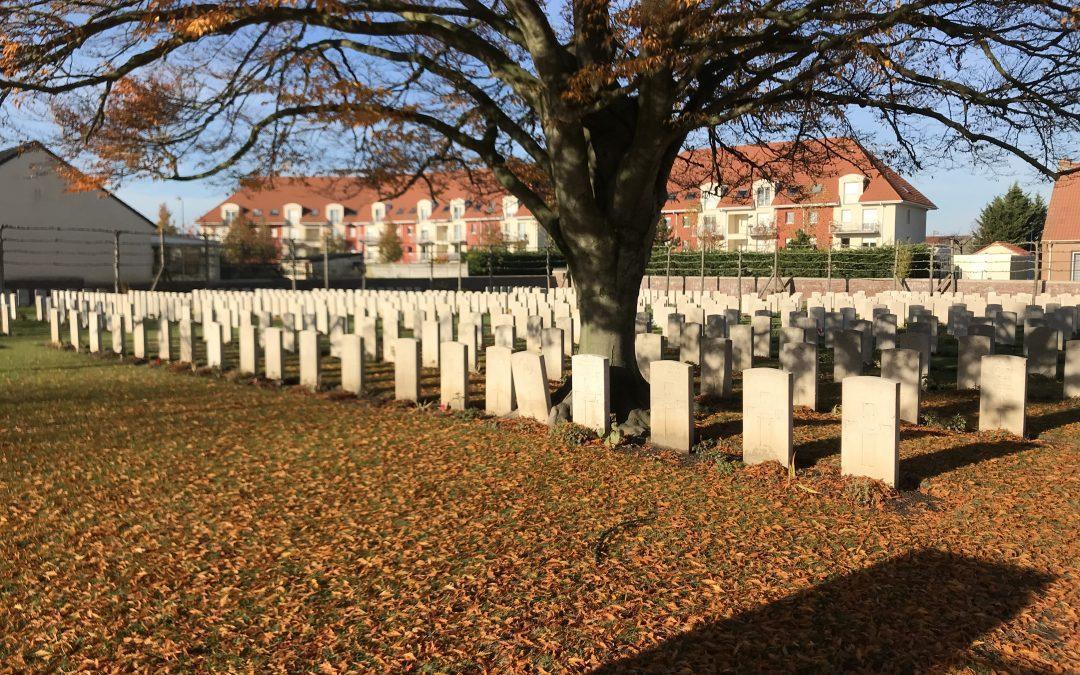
857, 228
762, 231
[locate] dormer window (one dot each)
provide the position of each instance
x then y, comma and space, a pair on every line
423, 209
230, 213
335, 214
851, 188
457, 209
763, 195
711, 194
510, 207
378, 212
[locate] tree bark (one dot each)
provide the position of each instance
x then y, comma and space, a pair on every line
607, 273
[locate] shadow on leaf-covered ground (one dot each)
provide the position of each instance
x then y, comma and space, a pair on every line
911, 613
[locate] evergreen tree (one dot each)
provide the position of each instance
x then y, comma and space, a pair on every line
801, 240
390, 250
665, 236
1014, 217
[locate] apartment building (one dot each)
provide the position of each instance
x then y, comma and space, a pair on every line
752, 198
305, 214
1061, 235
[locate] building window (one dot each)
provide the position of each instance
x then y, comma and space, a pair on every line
813, 217
335, 214
1075, 272
845, 216
230, 213
908, 211
457, 209
408, 230
457, 231
845, 242
423, 210
378, 212
852, 191
509, 206
472, 228
275, 212
763, 195
870, 218
790, 218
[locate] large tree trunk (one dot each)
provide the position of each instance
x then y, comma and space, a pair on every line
610, 179
607, 271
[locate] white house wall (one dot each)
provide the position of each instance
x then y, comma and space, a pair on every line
32, 194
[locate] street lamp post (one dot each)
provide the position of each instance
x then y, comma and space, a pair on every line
183, 215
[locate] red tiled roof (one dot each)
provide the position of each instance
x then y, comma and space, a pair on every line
1013, 248
1063, 214
806, 173
314, 194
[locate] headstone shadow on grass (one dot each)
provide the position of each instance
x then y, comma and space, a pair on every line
916, 612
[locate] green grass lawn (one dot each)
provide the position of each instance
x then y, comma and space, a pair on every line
154, 519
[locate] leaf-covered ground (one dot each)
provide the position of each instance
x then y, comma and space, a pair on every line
152, 519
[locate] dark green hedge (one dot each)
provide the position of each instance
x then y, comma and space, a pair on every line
846, 263
509, 263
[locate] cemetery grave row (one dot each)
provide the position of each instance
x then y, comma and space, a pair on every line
521, 342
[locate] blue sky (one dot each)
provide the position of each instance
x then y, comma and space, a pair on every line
959, 192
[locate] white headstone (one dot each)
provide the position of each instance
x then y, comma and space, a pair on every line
801, 360
591, 404
352, 363
904, 366
310, 359
767, 423
530, 385
273, 353
870, 428
407, 369
454, 375
1003, 393
671, 413
499, 396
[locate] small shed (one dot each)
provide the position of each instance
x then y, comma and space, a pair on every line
998, 261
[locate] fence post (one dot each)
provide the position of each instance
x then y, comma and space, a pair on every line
702, 282
116, 261
896, 266
739, 274
1035, 282
326, 259
547, 271
161, 258
930, 278
828, 269
667, 275
3, 277
292, 263
206, 257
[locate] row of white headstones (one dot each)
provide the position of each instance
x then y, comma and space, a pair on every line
517, 382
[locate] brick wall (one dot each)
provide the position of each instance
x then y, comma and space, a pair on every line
730, 285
